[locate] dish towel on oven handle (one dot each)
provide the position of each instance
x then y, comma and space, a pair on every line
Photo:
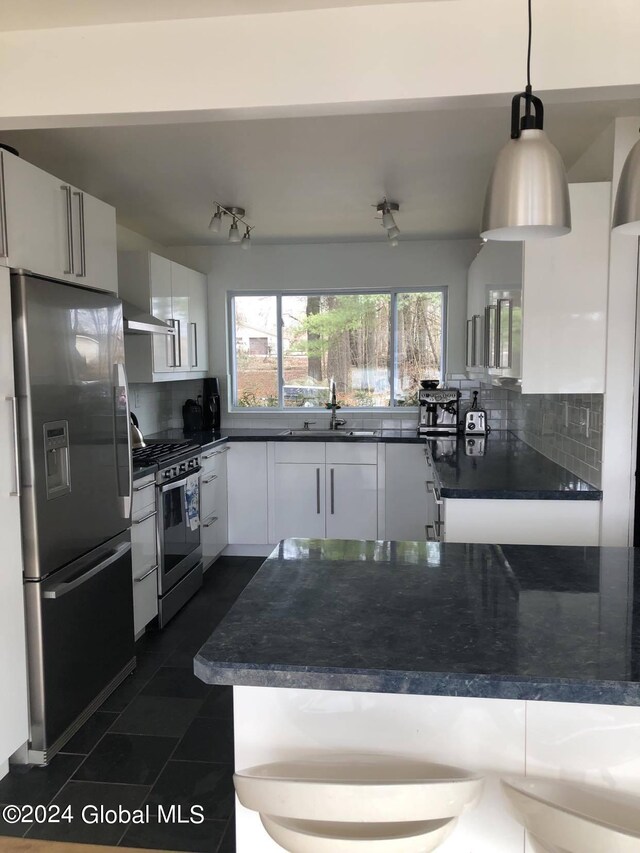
192, 501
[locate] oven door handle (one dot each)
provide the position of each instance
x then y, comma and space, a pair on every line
176, 484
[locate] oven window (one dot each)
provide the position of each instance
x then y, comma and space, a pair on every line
178, 539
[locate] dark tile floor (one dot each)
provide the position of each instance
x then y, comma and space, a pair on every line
163, 738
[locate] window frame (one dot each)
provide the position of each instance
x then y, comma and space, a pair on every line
393, 292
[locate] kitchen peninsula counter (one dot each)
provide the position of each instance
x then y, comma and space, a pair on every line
509, 469
505, 622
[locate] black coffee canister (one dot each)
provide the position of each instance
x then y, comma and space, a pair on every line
192, 416
211, 404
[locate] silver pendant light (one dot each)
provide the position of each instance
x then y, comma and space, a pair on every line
626, 213
527, 196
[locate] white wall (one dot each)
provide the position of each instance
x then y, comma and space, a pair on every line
622, 374
323, 61
334, 265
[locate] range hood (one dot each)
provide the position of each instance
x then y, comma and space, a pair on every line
139, 322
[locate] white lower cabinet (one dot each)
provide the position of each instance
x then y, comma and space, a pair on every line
213, 501
144, 553
299, 500
521, 522
248, 493
405, 492
352, 501
324, 490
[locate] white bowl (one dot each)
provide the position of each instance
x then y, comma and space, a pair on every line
566, 817
357, 788
306, 836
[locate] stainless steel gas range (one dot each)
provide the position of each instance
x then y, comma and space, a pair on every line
178, 528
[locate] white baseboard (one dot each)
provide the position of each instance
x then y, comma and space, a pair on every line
248, 550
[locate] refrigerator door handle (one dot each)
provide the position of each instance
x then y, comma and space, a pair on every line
121, 383
16, 445
64, 587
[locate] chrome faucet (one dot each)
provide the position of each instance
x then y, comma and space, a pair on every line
334, 422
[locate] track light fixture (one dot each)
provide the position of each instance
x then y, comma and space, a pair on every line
528, 195
237, 215
387, 209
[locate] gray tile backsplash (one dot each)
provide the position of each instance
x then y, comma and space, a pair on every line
566, 428
158, 406
556, 425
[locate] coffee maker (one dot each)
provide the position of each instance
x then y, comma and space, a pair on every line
438, 409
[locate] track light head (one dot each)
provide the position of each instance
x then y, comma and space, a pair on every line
216, 221
234, 233
393, 232
246, 240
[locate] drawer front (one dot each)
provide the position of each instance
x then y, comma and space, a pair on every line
215, 534
144, 496
145, 601
307, 451
213, 457
144, 554
351, 453
213, 493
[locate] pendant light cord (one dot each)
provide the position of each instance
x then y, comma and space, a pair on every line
528, 89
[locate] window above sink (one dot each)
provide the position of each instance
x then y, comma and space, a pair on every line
286, 347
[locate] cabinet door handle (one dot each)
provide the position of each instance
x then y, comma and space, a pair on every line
210, 521
500, 332
318, 491
172, 358
83, 247
216, 453
332, 493
146, 486
432, 489
4, 234
16, 445
210, 479
146, 574
144, 517
67, 191
179, 344
195, 345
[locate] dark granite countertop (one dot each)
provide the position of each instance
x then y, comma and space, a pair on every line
140, 471
209, 437
512, 622
509, 470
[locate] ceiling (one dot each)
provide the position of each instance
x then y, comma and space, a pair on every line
47, 14
303, 179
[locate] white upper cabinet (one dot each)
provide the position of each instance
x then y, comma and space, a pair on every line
177, 295
52, 228
98, 248
495, 273
565, 300
198, 321
542, 305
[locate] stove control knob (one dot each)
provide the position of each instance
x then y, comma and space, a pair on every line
167, 474
183, 467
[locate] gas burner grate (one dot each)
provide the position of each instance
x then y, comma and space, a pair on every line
162, 452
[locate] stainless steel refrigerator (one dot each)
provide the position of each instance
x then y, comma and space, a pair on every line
75, 482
